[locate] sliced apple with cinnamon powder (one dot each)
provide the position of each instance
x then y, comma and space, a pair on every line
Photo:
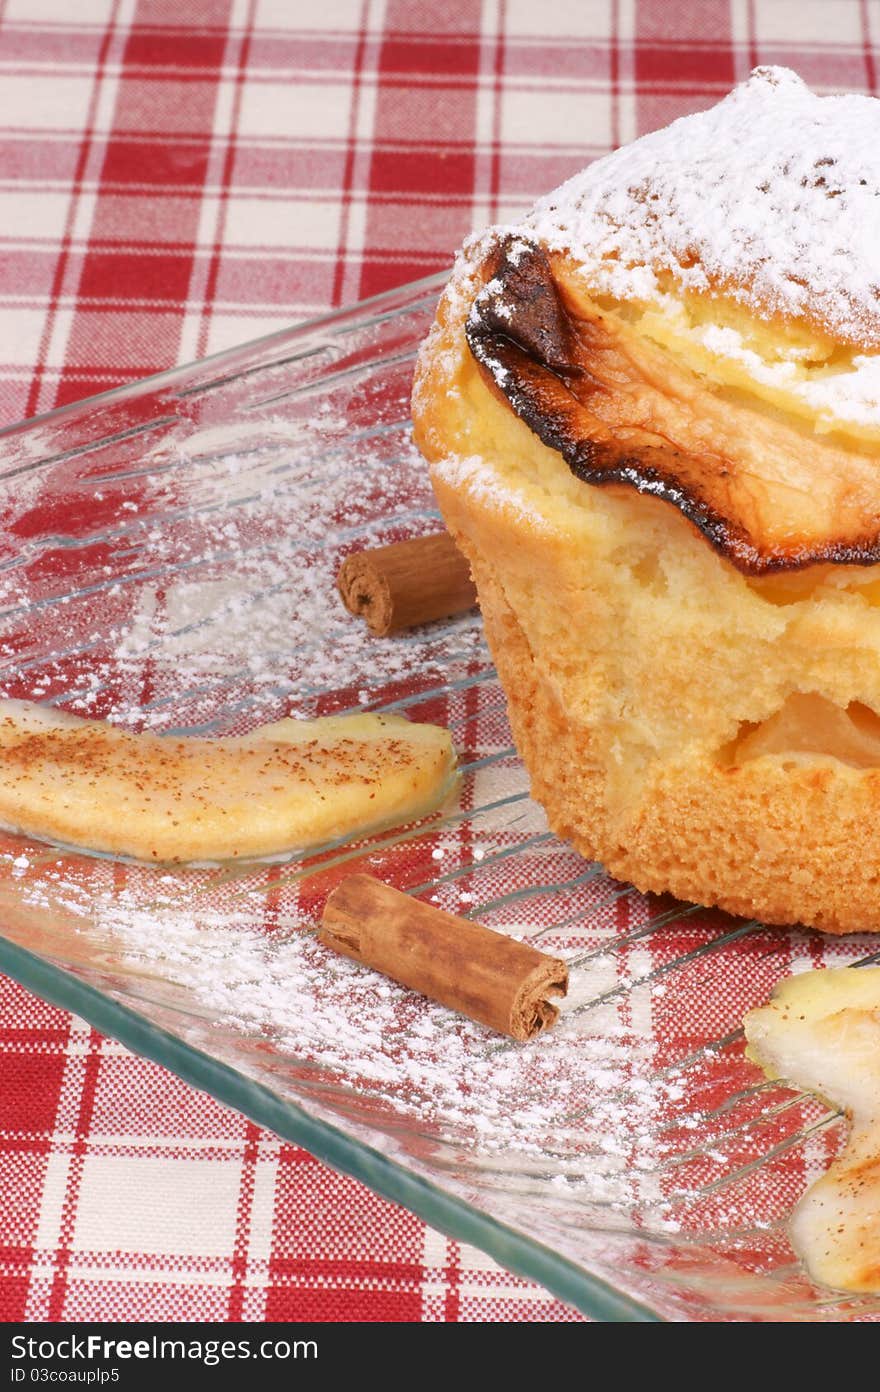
283, 786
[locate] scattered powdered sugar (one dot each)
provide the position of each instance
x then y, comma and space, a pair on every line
573, 1099
469, 472
204, 598
218, 608
836, 396
331, 1012
773, 196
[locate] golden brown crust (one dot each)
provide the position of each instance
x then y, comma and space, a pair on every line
757, 841
588, 389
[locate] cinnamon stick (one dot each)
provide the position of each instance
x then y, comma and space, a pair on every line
485, 975
407, 583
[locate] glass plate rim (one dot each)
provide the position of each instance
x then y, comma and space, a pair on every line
519, 1253
167, 375
516, 1251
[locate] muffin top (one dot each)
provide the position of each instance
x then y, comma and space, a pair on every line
770, 199
696, 317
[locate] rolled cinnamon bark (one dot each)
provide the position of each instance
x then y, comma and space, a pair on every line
485, 975
407, 583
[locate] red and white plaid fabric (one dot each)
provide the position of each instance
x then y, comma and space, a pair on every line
175, 179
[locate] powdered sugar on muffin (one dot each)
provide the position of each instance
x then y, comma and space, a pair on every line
771, 198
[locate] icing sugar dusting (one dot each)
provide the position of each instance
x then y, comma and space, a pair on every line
772, 196
295, 1012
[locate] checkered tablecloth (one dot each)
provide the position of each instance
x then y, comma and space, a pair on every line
176, 178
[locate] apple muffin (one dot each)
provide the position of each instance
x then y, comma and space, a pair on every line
652, 415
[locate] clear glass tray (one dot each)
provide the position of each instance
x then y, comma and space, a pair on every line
168, 558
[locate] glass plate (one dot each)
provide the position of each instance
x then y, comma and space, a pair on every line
168, 559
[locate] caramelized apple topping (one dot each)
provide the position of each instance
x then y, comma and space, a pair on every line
767, 492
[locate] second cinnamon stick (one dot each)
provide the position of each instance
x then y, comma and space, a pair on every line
485, 975
407, 583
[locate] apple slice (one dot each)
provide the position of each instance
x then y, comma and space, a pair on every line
292, 784
821, 1031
